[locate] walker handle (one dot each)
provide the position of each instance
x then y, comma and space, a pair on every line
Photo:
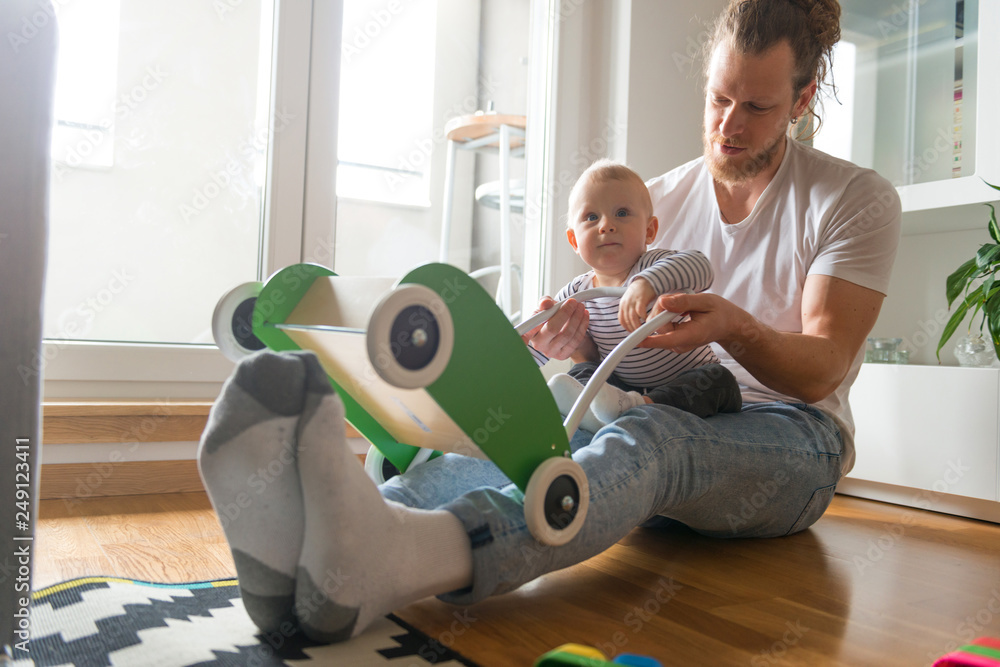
606, 367
587, 294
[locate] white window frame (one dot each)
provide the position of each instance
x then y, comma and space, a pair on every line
540, 209
300, 203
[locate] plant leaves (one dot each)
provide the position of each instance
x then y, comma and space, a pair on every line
993, 323
988, 284
973, 300
990, 291
987, 304
992, 226
986, 297
951, 326
957, 281
987, 254
991, 312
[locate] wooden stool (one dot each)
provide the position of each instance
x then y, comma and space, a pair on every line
487, 132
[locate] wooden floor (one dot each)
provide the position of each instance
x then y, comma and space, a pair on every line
869, 584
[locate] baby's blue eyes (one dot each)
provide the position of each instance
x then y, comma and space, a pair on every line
620, 213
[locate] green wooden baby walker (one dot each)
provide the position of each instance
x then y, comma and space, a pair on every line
427, 364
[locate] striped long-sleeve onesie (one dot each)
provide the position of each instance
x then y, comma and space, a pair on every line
667, 271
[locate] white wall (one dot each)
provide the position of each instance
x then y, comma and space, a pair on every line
630, 87
666, 83
585, 129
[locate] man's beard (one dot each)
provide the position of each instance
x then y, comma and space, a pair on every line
751, 164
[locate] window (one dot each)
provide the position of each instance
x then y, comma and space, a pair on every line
220, 164
387, 95
86, 102
157, 186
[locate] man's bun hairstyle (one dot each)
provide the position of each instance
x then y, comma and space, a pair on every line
811, 28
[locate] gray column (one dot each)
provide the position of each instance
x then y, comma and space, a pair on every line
27, 77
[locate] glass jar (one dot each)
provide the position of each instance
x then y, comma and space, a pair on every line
974, 350
883, 350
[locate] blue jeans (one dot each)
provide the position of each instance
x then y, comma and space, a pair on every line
767, 471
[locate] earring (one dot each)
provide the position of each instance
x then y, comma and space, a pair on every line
795, 120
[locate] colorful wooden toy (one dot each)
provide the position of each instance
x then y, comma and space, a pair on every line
428, 364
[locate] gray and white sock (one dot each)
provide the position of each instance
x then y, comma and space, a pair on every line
247, 458
363, 556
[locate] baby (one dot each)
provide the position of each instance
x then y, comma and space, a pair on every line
610, 224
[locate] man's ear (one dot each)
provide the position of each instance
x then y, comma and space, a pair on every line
571, 237
651, 228
805, 98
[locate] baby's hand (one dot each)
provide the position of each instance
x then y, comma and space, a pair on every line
632, 311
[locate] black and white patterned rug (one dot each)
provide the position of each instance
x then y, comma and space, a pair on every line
102, 621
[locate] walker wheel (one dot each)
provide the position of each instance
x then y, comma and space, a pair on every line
410, 336
556, 501
232, 322
377, 467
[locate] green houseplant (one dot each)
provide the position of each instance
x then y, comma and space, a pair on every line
980, 272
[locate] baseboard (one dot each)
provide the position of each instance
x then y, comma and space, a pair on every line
96, 422
126, 478
86, 422
945, 503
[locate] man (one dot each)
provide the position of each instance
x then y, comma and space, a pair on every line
802, 245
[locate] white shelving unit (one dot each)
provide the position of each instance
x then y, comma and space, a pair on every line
928, 437
917, 97
919, 90
976, 121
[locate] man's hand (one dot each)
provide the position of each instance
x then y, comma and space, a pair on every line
837, 315
710, 319
632, 309
564, 335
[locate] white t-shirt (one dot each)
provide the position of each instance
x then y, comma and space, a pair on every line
819, 215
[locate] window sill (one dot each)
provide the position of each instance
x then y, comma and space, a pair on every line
415, 205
